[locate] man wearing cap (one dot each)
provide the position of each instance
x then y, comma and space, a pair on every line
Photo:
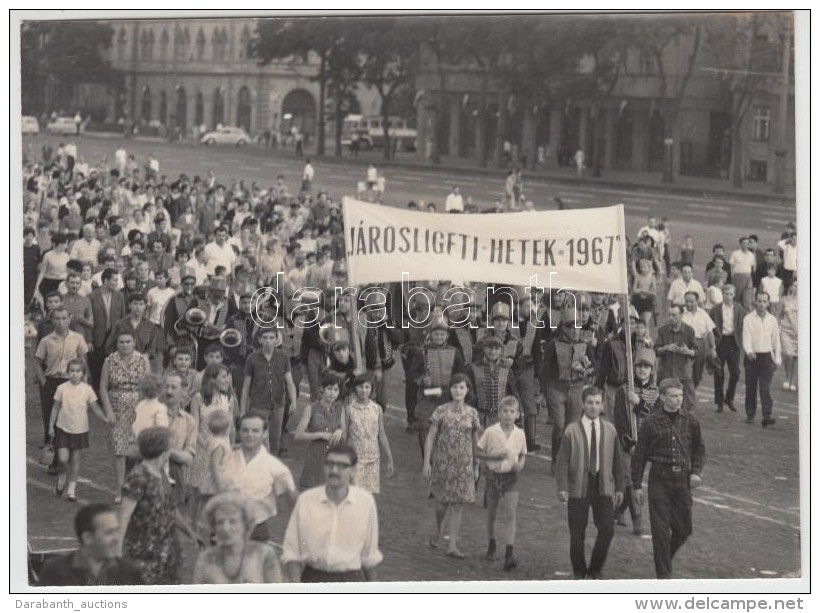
675, 346
632, 406
431, 370
160, 233
492, 379
219, 252
565, 368
267, 379
179, 305
671, 440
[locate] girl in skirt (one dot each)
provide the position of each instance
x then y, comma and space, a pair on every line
69, 426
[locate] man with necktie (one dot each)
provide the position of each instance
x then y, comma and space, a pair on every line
589, 473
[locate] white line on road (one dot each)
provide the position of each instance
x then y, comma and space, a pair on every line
724, 507
749, 501
88, 482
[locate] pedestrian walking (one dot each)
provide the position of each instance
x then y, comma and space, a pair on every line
671, 440
728, 317
761, 346
589, 474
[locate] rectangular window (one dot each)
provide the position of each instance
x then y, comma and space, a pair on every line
760, 124
757, 170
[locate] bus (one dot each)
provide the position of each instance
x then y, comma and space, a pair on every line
371, 133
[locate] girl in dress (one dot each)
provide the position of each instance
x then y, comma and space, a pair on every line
322, 424
788, 336
217, 477
366, 434
69, 425
449, 461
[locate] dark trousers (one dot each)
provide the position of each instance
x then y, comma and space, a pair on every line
728, 354
759, 372
670, 515
411, 390
604, 517
95, 364
699, 364
314, 575
47, 402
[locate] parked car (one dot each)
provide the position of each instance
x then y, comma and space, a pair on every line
30, 125
227, 135
62, 125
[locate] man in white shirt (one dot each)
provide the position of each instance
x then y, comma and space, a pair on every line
651, 228
686, 283
307, 176
702, 324
761, 346
87, 248
333, 532
742, 263
454, 201
220, 253
259, 475
121, 159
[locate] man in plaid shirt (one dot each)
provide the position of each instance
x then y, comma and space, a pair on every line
671, 440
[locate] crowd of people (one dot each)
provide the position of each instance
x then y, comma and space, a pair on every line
140, 289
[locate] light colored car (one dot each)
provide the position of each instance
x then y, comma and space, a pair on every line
227, 135
62, 125
30, 125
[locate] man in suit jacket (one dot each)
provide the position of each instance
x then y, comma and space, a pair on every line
107, 307
589, 473
728, 318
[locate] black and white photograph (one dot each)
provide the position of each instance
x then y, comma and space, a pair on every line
410, 299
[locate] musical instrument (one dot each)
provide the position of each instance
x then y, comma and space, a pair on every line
230, 338
330, 334
191, 321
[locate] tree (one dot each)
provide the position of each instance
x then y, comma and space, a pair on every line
390, 49
747, 60
56, 56
655, 36
329, 38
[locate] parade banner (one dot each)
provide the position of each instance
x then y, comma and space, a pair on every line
578, 249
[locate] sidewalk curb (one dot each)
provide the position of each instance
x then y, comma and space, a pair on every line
541, 177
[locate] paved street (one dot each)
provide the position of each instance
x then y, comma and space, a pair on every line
746, 515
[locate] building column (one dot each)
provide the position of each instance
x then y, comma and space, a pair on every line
455, 127
529, 144
640, 144
421, 129
609, 136
556, 128
583, 130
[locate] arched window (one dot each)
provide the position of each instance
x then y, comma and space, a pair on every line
243, 109
244, 43
163, 46
151, 45
163, 108
122, 41
145, 111
199, 109
217, 45
219, 108
200, 45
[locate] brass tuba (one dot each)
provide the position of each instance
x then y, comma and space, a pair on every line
230, 338
191, 322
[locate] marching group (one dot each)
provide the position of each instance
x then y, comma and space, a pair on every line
140, 290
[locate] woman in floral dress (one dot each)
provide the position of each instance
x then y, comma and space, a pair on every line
121, 373
366, 434
149, 516
449, 463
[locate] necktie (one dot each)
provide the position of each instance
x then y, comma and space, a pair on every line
593, 452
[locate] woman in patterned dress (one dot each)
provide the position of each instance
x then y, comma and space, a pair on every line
216, 395
366, 434
788, 336
148, 517
322, 423
121, 373
449, 461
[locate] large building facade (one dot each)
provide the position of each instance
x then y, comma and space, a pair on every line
183, 73
632, 131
